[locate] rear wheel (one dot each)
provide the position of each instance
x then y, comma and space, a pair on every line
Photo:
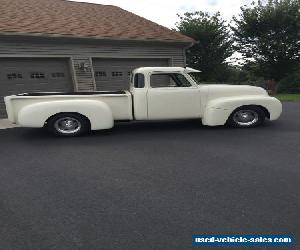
247, 117
68, 124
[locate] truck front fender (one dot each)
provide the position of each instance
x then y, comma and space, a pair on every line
217, 111
98, 113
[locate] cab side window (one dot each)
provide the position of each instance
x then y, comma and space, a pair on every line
139, 80
164, 80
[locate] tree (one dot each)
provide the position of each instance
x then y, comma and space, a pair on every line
269, 34
213, 44
290, 83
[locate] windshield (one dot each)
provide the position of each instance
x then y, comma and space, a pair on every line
195, 76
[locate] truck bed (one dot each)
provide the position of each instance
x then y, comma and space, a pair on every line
120, 102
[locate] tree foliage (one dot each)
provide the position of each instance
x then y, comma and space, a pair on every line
213, 43
290, 83
269, 34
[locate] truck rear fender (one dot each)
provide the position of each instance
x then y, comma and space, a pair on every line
36, 115
217, 111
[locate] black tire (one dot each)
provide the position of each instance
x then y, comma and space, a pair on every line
68, 124
246, 117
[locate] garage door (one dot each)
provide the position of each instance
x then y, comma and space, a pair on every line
114, 74
32, 75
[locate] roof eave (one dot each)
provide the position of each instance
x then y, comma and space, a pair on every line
188, 41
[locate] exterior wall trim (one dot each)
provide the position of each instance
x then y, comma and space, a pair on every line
93, 73
91, 38
132, 57
34, 56
73, 74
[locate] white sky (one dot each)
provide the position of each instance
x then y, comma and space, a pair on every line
164, 11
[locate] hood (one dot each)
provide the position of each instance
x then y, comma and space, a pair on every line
224, 90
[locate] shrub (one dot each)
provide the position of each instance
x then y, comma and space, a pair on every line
290, 84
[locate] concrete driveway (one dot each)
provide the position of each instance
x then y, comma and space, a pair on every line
5, 124
149, 185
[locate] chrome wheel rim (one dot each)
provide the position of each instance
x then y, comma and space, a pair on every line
67, 125
245, 117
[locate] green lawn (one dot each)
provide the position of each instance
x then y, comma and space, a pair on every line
288, 97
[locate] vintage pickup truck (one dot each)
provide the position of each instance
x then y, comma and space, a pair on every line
156, 93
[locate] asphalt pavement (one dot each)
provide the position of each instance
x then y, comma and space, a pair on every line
149, 185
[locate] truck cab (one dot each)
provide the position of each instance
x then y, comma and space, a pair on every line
165, 93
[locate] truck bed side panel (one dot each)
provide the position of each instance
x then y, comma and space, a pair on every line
120, 104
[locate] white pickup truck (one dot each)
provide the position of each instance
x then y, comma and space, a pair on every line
156, 93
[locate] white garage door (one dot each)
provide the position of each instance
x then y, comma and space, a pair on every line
113, 74
32, 75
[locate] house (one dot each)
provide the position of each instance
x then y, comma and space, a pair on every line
59, 45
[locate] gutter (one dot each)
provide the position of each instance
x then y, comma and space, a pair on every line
95, 38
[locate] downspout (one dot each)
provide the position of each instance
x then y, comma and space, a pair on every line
184, 50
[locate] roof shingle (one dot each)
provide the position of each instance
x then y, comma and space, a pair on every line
78, 19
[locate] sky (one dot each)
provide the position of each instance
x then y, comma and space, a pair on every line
164, 12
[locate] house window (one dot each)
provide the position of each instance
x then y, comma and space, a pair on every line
37, 75
11, 76
116, 73
100, 74
58, 74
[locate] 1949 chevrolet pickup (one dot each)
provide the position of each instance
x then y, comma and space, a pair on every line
156, 93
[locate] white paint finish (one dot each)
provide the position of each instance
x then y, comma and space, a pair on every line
150, 70
140, 106
211, 103
225, 90
218, 110
223, 99
167, 102
35, 110
173, 103
35, 115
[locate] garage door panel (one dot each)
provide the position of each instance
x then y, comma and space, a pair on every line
19, 75
114, 74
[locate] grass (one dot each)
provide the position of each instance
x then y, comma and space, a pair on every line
288, 97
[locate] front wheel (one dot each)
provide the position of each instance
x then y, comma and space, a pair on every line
68, 124
247, 117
